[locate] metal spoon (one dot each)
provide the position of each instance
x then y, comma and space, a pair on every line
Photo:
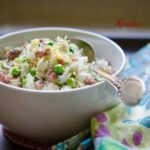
130, 89
86, 47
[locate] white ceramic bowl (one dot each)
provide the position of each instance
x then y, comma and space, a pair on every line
56, 115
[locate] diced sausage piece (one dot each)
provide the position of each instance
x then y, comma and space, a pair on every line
39, 84
4, 78
41, 40
51, 76
12, 54
88, 81
41, 53
74, 59
60, 61
49, 71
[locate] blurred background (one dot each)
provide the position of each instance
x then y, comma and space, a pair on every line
125, 18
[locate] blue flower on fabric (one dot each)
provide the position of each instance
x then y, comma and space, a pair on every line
145, 122
148, 105
128, 121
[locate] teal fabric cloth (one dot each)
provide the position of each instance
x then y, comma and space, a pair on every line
122, 127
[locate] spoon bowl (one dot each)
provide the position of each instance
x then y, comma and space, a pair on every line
86, 47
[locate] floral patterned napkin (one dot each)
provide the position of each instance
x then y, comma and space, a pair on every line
122, 127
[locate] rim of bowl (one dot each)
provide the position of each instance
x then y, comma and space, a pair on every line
64, 29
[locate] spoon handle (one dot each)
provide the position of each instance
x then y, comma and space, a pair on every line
130, 89
104, 74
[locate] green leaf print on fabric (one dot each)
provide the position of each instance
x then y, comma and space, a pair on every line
110, 144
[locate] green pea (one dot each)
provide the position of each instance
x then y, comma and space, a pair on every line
24, 81
71, 82
32, 71
58, 69
15, 72
51, 43
71, 49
